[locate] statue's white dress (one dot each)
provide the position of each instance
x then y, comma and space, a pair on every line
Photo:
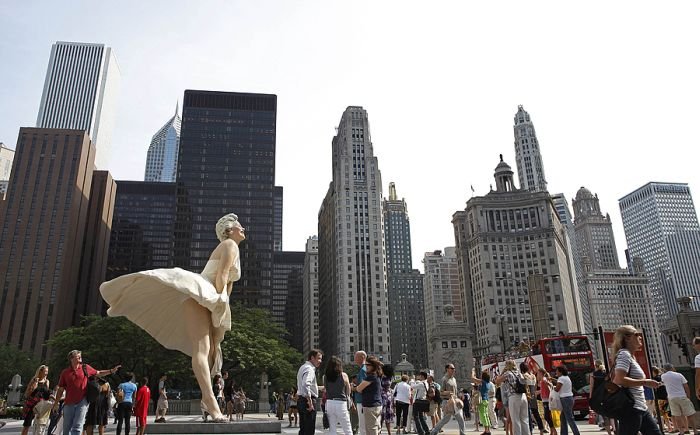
153, 299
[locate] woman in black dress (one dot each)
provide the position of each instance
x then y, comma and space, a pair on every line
98, 412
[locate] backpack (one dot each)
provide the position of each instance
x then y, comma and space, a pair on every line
519, 386
93, 387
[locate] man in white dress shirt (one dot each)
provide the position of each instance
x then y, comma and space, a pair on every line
307, 389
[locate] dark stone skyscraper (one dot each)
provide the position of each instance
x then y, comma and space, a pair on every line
404, 285
227, 165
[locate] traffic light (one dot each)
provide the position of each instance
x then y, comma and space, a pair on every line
595, 334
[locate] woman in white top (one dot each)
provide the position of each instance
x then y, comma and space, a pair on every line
566, 394
629, 374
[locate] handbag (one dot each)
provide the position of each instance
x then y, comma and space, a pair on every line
93, 387
611, 400
554, 401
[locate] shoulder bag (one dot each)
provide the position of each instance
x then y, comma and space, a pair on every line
611, 400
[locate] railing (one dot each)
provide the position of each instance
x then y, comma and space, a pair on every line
192, 407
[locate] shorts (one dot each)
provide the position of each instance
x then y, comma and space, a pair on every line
432, 411
681, 406
162, 403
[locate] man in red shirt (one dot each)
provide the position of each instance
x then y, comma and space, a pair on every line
74, 382
143, 398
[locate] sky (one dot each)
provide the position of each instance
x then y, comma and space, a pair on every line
612, 89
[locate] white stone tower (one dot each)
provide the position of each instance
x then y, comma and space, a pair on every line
527, 153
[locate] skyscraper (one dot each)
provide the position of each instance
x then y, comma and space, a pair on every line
661, 227
310, 297
507, 241
226, 165
42, 231
95, 249
143, 227
594, 233
527, 153
353, 305
288, 294
611, 296
404, 285
441, 287
279, 212
161, 160
80, 92
6, 157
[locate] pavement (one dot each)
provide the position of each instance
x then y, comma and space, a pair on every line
15, 426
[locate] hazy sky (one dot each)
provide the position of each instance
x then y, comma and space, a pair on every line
613, 88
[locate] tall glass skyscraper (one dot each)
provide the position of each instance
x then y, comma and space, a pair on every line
404, 285
226, 164
143, 227
661, 227
161, 160
80, 92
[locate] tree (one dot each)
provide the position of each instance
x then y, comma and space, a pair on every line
14, 361
107, 341
254, 345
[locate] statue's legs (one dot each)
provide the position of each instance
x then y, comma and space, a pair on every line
198, 324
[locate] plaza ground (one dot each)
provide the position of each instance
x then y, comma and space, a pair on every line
15, 426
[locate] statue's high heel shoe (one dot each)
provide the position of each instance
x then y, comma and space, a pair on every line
220, 419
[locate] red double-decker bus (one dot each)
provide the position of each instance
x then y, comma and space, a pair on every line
572, 351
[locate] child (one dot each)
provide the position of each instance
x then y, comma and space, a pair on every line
42, 413
143, 398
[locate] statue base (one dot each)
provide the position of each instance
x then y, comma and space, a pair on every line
243, 427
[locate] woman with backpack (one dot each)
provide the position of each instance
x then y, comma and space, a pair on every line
566, 395
514, 388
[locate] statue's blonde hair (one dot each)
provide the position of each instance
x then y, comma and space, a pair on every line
224, 224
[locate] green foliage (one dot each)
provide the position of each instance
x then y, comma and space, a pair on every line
254, 345
14, 361
14, 412
108, 341
251, 347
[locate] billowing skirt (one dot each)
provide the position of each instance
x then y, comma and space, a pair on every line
153, 299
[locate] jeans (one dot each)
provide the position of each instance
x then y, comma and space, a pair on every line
419, 410
638, 421
125, 409
446, 419
307, 417
518, 410
567, 416
401, 414
74, 417
337, 412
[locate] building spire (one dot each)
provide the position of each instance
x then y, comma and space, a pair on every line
527, 153
177, 107
392, 191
